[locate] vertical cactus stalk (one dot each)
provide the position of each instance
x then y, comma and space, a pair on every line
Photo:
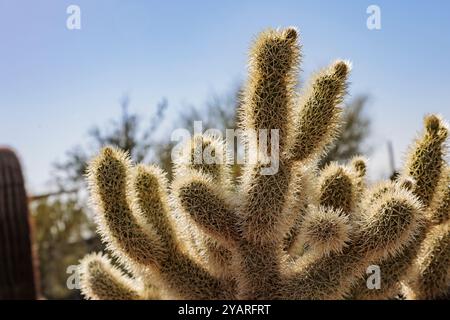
317, 121
426, 159
17, 274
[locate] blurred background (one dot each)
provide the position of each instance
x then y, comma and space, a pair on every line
133, 71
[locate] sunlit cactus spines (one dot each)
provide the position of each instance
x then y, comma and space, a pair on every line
359, 165
101, 280
317, 119
325, 230
298, 233
338, 188
426, 175
425, 160
439, 211
430, 278
205, 159
269, 96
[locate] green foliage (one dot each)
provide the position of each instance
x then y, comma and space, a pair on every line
64, 234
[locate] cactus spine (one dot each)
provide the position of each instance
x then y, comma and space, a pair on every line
298, 233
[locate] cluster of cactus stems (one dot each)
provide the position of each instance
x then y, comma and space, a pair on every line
301, 233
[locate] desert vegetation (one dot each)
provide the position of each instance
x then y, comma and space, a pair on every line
308, 231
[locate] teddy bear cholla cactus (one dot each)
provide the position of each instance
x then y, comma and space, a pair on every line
295, 234
422, 269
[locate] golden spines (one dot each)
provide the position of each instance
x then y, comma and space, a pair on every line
431, 277
269, 96
426, 158
294, 233
126, 233
317, 121
207, 205
338, 188
325, 230
101, 281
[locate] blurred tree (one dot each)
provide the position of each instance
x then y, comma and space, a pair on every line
125, 133
64, 234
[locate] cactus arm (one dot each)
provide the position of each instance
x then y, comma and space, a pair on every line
393, 220
337, 189
118, 225
205, 156
318, 118
268, 104
269, 94
325, 230
205, 203
426, 158
439, 211
102, 281
151, 199
431, 279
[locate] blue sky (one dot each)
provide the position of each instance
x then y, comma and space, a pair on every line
56, 83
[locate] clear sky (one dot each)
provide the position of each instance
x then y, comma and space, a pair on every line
56, 83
